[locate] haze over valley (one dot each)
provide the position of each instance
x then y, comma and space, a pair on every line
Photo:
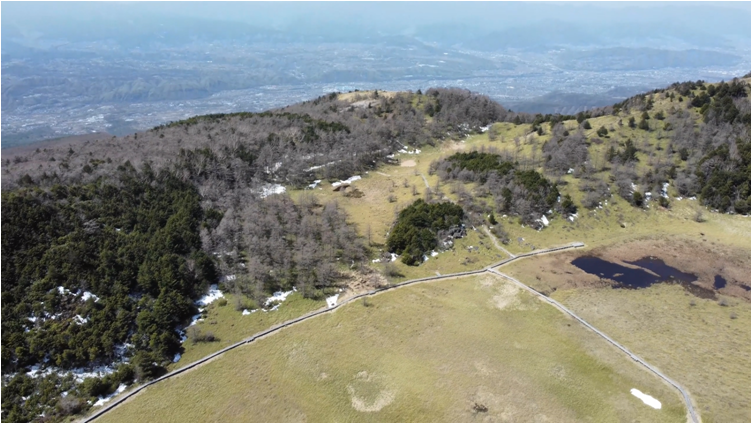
119, 68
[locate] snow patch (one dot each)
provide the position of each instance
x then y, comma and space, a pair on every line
331, 301
313, 168
570, 171
79, 374
214, 294
315, 183
247, 312
664, 190
347, 181
647, 399
78, 319
277, 297
103, 400
409, 152
544, 220
86, 295
394, 256
270, 189
176, 358
196, 318
224, 278
434, 253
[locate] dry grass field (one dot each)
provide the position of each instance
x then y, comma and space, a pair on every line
697, 342
470, 349
702, 343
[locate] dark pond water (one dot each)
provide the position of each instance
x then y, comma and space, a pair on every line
639, 278
745, 287
719, 282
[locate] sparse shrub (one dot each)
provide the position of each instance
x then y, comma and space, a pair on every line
196, 336
391, 270
240, 303
501, 234
222, 302
637, 198
70, 405
591, 200
699, 217
479, 407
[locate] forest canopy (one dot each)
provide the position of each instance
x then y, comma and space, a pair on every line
419, 228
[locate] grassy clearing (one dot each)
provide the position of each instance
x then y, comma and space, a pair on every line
230, 326
694, 341
424, 353
602, 227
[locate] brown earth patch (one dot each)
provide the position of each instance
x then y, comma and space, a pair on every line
549, 273
407, 163
363, 282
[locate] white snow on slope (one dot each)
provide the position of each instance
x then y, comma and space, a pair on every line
347, 181
647, 399
332, 301
214, 294
270, 189
88, 295
277, 297
103, 400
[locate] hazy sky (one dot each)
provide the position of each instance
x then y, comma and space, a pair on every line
280, 11
728, 18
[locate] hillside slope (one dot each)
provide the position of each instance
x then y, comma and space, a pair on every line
145, 223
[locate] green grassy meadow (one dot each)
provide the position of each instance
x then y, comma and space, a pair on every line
429, 352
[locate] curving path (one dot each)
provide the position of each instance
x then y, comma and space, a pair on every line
324, 310
424, 180
496, 242
685, 394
